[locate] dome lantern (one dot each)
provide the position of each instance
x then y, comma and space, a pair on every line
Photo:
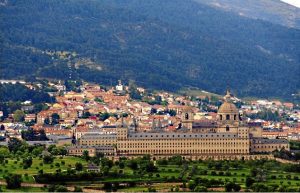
228, 111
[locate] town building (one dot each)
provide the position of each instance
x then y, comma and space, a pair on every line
229, 134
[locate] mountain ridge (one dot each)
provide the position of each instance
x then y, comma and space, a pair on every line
274, 11
129, 44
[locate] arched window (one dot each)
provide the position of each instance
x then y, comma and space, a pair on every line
186, 116
227, 128
234, 117
227, 117
221, 117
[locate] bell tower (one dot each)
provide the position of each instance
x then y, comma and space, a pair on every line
187, 118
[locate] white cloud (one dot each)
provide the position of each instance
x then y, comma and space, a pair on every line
295, 3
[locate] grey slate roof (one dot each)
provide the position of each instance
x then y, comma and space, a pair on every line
97, 147
269, 141
181, 135
98, 136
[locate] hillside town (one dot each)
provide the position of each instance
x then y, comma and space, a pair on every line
95, 110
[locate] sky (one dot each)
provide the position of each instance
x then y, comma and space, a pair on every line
296, 3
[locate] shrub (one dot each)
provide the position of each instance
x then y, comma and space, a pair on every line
249, 181
48, 159
213, 173
77, 189
78, 166
13, 181
200, 189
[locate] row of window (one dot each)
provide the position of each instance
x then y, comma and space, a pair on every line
145, 145
181, 139
180, 136
269, 146
192, 151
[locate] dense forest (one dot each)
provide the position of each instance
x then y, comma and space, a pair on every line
19, 92
166, 44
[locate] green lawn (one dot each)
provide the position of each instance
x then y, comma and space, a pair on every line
16, 167
166, 174
23, 189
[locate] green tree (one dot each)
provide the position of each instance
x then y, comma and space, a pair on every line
15, 145
85, 155
18, 116
13, 181
78, 189
78, 166
27, 162
172, 113
48, 159
192, 185
61, 188
37, 150
133, 164
260, 187
200, 189
4, 151
121, 165
133, 92
228, 186
55, 119
86, 115
47, 121
236, 188
151, 189
104, 116
249, 182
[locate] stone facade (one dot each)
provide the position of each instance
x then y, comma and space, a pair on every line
228, 136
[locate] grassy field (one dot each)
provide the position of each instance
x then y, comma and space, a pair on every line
16, 167
163, 179
23, 189
197, 92
274, 176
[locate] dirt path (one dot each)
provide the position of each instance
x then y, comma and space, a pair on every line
286, 161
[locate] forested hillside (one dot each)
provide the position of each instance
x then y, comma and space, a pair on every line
166, 44
274, 11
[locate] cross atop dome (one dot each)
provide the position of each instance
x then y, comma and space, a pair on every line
228, 95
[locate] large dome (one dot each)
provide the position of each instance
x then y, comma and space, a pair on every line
228, 108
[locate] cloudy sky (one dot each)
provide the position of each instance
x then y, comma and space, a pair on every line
293, 2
